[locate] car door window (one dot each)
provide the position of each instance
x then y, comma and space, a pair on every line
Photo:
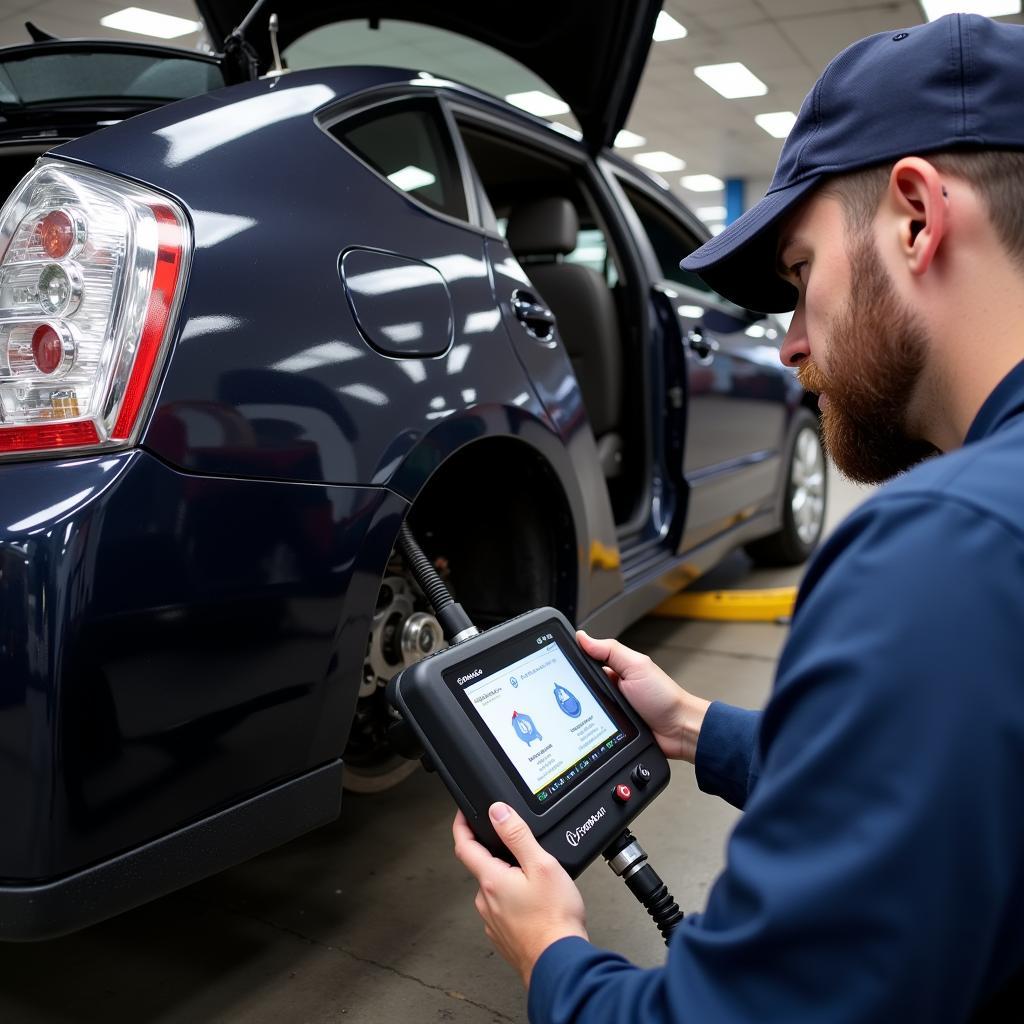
409, 145
669, 240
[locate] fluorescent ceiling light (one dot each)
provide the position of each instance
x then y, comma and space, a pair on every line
150, 23
779, 124
701, 182
542, 104
711, 212
667, 28
627, 140
410, 178
659, 160
732, 81
990, 8
694, 312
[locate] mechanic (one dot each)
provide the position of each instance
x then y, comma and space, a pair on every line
878, 871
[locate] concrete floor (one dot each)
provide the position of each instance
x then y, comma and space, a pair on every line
371, 919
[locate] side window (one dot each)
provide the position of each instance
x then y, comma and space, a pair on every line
669, 239
408, 143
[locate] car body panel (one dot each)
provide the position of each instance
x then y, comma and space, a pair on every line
169, 643
591, 52
258, 388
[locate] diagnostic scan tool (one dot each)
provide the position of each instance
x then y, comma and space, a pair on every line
519, 713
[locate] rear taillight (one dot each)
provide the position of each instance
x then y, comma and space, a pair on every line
91, 276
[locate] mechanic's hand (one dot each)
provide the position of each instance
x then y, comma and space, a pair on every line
672, 714
524, 908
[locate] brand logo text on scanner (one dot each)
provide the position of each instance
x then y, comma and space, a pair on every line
574, 835
472, 675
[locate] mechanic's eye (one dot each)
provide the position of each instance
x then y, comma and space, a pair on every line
796, 271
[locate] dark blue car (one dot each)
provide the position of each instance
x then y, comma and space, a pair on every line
247, 334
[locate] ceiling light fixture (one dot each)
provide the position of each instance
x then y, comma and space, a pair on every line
627, 140
701, 182
659, 160
711, 212
410, 178
540, 103
150, 23
778, 124
934, 9
667, 28
733, 81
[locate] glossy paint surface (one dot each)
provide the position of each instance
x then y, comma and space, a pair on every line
169, 644
402, 306
271, 376
737, 415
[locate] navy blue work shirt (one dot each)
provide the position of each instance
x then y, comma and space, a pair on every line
878, 871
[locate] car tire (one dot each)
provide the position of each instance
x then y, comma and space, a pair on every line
803, 509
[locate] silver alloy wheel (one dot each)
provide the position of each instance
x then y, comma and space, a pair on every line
807, 485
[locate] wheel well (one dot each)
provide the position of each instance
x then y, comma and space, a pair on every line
497, 514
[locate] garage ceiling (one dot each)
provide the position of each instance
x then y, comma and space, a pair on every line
785, 43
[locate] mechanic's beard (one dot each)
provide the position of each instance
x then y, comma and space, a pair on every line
877, 350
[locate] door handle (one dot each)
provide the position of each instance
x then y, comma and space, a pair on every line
704, 347
533, 315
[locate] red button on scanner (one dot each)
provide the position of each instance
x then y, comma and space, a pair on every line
623, 793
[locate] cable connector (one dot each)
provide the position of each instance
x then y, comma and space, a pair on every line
627, 858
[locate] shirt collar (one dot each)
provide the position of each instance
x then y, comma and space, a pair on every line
1006, 401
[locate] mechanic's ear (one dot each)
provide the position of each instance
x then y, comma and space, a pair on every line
917, 199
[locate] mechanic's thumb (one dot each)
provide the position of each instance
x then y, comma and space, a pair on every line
515, 834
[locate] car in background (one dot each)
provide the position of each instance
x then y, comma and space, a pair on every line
250, 326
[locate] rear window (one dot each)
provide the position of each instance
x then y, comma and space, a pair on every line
83, 76
409, 144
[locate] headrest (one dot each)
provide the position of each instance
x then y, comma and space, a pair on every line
543, 227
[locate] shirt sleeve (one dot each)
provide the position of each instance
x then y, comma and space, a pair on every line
725, 752
877, 872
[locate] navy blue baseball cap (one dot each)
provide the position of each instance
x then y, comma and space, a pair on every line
955, 83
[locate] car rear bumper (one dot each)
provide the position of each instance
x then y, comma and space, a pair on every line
216, 842
171, 646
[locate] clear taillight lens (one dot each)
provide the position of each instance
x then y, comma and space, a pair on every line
91, 276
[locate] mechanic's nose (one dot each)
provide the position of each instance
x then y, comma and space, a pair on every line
794, 346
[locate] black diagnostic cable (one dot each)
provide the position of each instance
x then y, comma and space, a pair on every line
626, 857
455, 623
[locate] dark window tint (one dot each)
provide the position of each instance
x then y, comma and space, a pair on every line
51, 78
669, 239
410, 146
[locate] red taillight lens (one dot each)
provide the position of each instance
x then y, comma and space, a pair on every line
56, 233
47, 348
165, 281
92, 270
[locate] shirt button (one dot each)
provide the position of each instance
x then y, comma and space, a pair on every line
622, 793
